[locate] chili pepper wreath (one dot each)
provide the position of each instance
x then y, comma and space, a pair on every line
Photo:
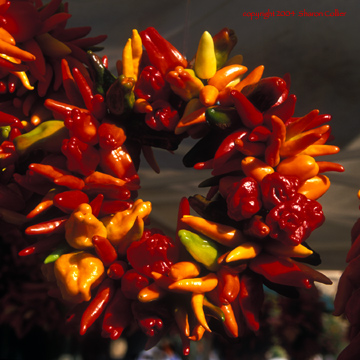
72, 135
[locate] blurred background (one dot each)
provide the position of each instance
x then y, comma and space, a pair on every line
322, 55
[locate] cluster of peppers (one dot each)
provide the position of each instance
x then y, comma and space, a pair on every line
347, 296
72, 183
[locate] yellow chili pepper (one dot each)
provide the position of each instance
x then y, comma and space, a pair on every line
196, 285
23, 78
197, 306
302, 166
223, 234
137, 50
280, 249
151, 293
208, 95
119, 225
255, 168
77, 274
205, 60
315, 187
81, 226
183, 270
235, 60
227, 75
127, 60
252, 78
245, 251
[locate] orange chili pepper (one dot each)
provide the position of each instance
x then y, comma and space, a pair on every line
196, 285
223, 234
150, 293
246, 251
208, 95
255, 168
224, 76
197, 306
230, 323
182, 320
314, 187
183, 270
252, 78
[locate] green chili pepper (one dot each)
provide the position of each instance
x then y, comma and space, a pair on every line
222, 117
213, 310
103, 77
201, 248
60, 250
49, 136
4, 132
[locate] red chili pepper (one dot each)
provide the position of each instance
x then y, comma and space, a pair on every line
293, 220
229, 285
154, 252
163, 55
279, 270
81, 157
276, 189
83, 126
132, 282
151, 85
117, 269
251, 298
97, 305
68, 201
268, 92
114, 206
96, 204
243, 199
117, 317
147, 318
104, 249
249, 114
110, 136
8, 154
42, 246
70, 181
53, 226
163, 116
284, 111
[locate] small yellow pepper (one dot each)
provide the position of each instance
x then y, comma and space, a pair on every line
137, 50
245, 251
127, 60
205, 60
76, 274
119, 225
280, 249
81, 226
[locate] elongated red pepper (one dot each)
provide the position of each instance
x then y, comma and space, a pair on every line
163, 55
249, 114
104, 249
97, 305
68, 201
53, 226
279, 270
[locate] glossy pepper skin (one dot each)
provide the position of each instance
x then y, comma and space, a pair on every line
293, 220
163, 55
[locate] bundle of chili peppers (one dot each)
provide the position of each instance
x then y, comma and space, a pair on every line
347, 297
69, 179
